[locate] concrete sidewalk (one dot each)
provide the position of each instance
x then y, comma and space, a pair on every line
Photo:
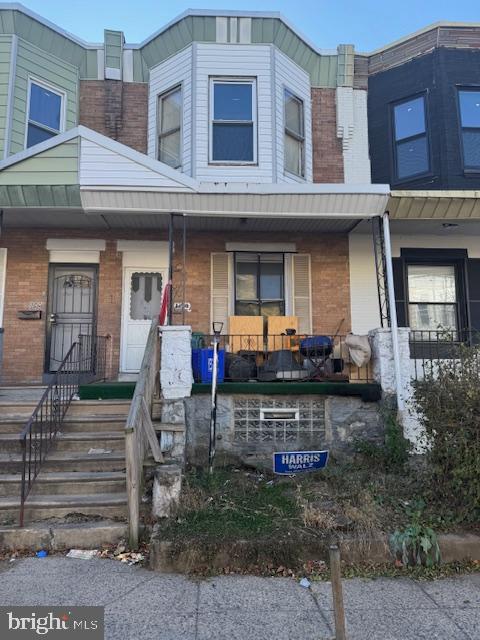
142, 605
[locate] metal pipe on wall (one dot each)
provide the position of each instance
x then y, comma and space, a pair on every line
393, 311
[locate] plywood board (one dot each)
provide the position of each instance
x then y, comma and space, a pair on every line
276, 325
246, 333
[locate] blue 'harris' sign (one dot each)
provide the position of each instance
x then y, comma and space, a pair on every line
289, 462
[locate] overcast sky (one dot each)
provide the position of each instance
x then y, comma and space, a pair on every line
367, 24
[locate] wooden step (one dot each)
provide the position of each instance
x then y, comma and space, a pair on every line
76, 441
40, 507
67, 461
99, 407
66, 482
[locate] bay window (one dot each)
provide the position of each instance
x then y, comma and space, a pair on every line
294, 139
469, 100
233, 121
170, 127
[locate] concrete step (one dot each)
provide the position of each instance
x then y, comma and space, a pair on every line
78, 442
68, 461
97, 423
99, 407
65, 483
57, 536
40, 507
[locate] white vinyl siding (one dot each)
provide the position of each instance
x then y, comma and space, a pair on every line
291, 77
176, 71
234, 61
3, 274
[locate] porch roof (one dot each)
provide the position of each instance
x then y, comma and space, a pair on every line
82, 178
434, 205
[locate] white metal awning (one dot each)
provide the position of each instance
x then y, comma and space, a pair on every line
434, 205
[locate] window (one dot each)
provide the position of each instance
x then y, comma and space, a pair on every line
44, 113
170, 127
469, 100
294, 135
233, 121
410, 139
145, 295
259, 284
432, 298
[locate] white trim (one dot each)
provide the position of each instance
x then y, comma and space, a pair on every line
63, 107
74, 257
70, 244
100, 64
10, 97
141, 245
127, 66
274, 247
288, 284
213, 80
111, 73
3, 279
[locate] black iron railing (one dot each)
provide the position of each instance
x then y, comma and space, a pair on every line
429, 348
285, 358
84, 362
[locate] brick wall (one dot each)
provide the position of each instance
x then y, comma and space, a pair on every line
327, 148
116, 109
27, 286
330, 276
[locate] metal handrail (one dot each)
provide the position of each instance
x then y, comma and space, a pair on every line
39, 434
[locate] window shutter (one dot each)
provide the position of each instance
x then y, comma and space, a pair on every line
302, 292
3, 273
220, 290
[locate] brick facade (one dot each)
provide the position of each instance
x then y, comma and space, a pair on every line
116, 109
327, 148
27, 287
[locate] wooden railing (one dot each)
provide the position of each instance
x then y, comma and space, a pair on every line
140, 434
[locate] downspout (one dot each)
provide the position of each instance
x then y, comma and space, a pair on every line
393, 311
170, 269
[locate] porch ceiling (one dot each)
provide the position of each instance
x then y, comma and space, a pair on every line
436, 205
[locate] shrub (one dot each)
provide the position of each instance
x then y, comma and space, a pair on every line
448, 401
392, 454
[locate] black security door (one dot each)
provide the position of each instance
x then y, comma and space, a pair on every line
71, 310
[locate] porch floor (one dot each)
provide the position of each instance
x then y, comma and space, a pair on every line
21, 395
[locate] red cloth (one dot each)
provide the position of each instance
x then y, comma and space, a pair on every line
162, 317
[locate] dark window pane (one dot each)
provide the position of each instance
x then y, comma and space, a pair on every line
470, 108
293, 114
471, 148
271, 280
232, 142
246, 283
37, 134
247, 309
273, 308
409, 118
169, 149
412, 157
45, 106
232, 101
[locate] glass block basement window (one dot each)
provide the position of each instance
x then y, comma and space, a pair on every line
283, 420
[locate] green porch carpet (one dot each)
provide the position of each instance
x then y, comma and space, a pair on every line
107, 391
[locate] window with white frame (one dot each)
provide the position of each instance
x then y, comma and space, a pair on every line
412, 157
432, 299
259, 284
170, 127
45, 113
469, 99
294, 140
233, 121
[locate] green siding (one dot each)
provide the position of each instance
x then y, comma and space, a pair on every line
35, 63
322, 68
40, 195
5, 53
56, 166
113, 49
177, 37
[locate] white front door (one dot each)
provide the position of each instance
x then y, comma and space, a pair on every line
142, 297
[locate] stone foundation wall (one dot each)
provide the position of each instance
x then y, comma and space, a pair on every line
325, 422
